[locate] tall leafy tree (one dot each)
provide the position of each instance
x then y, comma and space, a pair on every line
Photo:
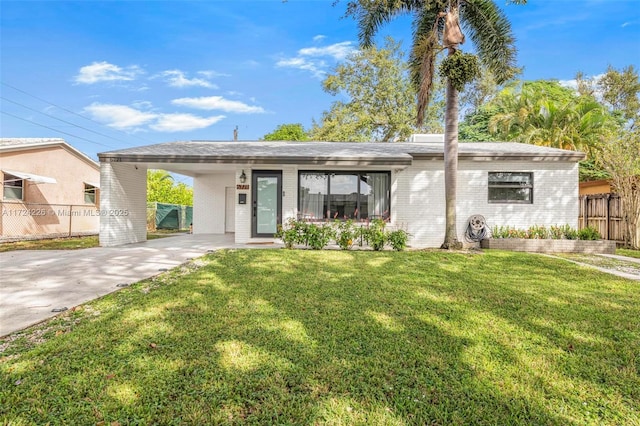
438, 26
161, 188
287, 132
618, 90
376, 100
620, 158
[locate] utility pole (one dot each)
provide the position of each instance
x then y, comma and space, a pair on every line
235, 134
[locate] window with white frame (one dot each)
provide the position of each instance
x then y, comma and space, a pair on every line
89, 194
12, 187
511, 187
344, 195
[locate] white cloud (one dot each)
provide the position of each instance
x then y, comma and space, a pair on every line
303, 64
120, 117
314, 59
123, 117
319, 37
177, 78
183, 122
104, 71
218, 103
338, 51
213, 74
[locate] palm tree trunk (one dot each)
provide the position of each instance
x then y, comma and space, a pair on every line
451, 165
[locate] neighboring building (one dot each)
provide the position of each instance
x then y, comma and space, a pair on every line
595, 187
248, 188
49, 188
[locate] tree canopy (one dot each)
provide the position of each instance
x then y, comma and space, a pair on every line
543, 113
287, 132
377, 100
161, 188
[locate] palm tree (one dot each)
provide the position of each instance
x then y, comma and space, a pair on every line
437, 27
531, 116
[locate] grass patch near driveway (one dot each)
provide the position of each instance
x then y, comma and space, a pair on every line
335, 337
628, 252
67, 243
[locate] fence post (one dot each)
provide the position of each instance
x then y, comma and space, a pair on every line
70, 217
608, 217
585, 220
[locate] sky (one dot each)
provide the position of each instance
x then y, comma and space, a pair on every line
107, 75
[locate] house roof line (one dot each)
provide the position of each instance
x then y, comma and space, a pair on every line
262, 152
207, 159
25, 144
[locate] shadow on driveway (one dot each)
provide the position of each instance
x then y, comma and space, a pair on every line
36, 282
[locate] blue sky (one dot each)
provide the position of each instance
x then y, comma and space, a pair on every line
114, 74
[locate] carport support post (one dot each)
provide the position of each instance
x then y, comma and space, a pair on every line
123, 202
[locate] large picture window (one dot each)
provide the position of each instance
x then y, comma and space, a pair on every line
13, 187
344, 195
511, 187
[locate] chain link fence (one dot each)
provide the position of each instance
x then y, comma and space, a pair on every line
30, 221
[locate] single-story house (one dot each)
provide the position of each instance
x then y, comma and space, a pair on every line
248, 188
49, 188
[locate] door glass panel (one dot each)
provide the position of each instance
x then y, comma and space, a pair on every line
267, 204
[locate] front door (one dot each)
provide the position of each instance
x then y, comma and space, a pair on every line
267, 202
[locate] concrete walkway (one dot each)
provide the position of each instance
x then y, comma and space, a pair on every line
34, 282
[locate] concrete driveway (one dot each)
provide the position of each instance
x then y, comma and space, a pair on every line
33, 283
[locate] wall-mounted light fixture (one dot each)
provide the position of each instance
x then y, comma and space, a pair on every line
243, 177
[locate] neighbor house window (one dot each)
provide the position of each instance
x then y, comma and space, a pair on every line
344, 195
89, 194
511, 187
13, 187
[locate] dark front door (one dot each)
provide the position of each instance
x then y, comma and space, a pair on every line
267, 203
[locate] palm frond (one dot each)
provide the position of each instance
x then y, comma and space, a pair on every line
427, 33
488, 28
372, 14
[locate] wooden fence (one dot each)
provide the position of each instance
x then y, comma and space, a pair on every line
604, 213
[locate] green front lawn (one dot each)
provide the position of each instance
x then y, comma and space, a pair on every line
628, 253
333, 337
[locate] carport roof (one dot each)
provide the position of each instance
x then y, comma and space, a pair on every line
372, 153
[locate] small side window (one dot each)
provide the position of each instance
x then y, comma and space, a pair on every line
89, 194
12, 187
511, 187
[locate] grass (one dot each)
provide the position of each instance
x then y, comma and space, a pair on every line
332, 337
628, 252
67, 243
603, 262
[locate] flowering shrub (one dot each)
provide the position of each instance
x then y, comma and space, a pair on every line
345, 234
555, 232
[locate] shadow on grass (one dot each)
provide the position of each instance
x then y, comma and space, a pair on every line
277, 336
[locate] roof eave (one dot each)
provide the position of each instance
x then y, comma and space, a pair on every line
565, 157
303, 160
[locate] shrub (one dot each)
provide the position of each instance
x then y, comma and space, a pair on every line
346, 234
292, 232
398, 239
375, 235
536, 232
589, 233
318, 236
569, 233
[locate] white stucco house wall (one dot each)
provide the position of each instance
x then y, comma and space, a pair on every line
247, 188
